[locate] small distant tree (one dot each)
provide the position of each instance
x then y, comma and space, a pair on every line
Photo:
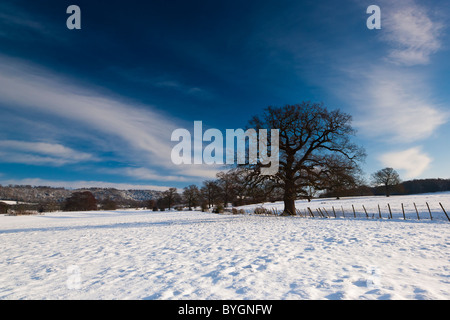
3, 208
41, 208
191, 195
204, 205
160, 204
227, 183
81, 201
386, 177
171, 197
339, 177
109, 204
151, 204
210, 192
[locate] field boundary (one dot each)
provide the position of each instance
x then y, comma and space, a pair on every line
404, 212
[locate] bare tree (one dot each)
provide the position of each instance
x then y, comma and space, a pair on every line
210, 191
340, 175
171, 196
227, 183
191, 195
81, 201
3, 208
386, 177
313, 143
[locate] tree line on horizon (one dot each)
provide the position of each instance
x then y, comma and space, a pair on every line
229, 187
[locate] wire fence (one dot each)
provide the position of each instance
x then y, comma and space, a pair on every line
407, 211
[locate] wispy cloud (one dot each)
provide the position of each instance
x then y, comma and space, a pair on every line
138, 134
397, 106
80, 184
411, 32
17, 23
141, 128
40, 153
413, 161
185, 89
149, 174
146, 174
396, 103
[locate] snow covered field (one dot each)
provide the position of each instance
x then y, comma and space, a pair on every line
194, 255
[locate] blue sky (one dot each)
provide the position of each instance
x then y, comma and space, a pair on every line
97, 106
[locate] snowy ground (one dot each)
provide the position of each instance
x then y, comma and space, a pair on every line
194, 255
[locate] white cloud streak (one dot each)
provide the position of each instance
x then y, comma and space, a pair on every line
40, 153
80, 184
141, 134
395, 103
412, 33
413, 161
398, 107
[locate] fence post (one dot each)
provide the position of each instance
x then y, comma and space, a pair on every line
444, 211
354, 213
334, 212
326, 212
310, 211
367, 216
343, 213
321, 213
390, 212
418, 218
379, 211
403, 210
431, 217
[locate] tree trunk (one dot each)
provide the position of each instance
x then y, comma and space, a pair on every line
289, 207
289, 198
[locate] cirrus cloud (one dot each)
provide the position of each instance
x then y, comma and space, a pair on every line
412, 33
136, 134
41, 153
398, 107
413, 161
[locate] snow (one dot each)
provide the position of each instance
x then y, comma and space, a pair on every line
10, 202
136, 254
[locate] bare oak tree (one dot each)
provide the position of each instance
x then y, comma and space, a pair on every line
191, 195
171, 196
315, 149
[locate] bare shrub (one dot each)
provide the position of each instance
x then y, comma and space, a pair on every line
260, 210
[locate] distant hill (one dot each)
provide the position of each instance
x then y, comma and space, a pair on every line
32, 194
